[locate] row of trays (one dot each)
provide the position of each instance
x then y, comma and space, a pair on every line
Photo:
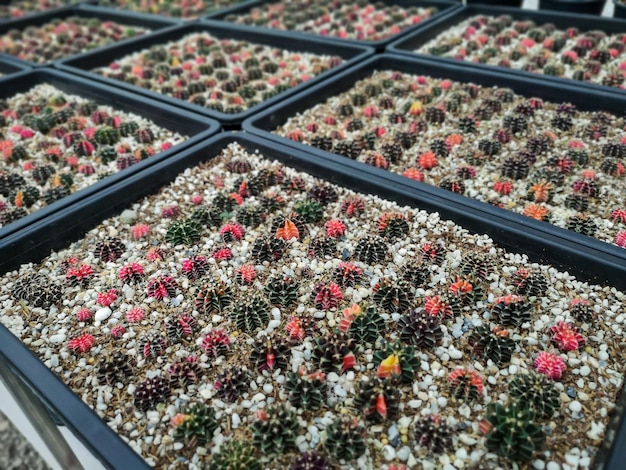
417, 88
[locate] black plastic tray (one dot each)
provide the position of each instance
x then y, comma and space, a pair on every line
444, 6
82, 65
265, 122
406, 45
209, 14
29, 13
71, 223
196, 127
85, 11
9, 67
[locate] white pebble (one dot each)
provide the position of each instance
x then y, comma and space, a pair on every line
575, 406
403, 453
103, 314
235, 420
388, 453
585, 371
57, 339
268, 388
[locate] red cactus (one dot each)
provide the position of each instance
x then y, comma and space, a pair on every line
335, 228
195, 267
619, 215
132, 272
84, 314
118, 331
170, 212
427, 160
155, 254
503, 187
437, 306
139, 231
566, 337
294, 328
82, 343
222, 253
135, 315
245, 274
216, 342
352, 206
79, 274
414, 174
327, 296
550, 364
232, 231
620, 239
466, 383
162, 287
106, 298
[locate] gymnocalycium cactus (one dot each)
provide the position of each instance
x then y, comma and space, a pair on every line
276, 430
537, 392
235, 455
345, 438
196, 425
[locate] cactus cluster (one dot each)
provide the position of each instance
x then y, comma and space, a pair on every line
38, 291
250, 314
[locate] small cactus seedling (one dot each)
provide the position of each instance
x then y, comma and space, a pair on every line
347, 274
306, 391
79, 275
334, 352
494, 344
529, 283
269, 353
275, 430
195, 267
550, 364
197, 425
180, 327
184, 232
393, 225
566, 336
162, 287
150, 392
511, 310
379, 399
184, 371
282, 290
365, 326
251, 314
113, 368
397, 361
433, 434
513, 434
235, 455
416, 274
537, 392
345, 438
232, 383
582, 311
131, 273
392, 296
216, 343
213, 298
420, 329
327, 295
153, 345
465, 384
478, 265
268, 249
432, 253
288, 227
322, 246
109, 250
371, 250
310, 211
38, 291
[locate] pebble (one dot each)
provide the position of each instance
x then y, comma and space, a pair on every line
553, 466
235, 420
393, 433
103, 314
332, 377
339, 391
575, 406
259, 397
403, 453
268, 388
389, 453
128, 216
467, 439
585, 371
57, 339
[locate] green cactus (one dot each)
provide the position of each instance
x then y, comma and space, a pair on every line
408, 361
198, 427
367, 327
494, 344
537, 392
235, 455
392, 296
184, 232
306, 391
282, 290
513, 435
276, 430
310, 211
250, 314
420, 329
107, 135
379, 399
345, 438
511, 310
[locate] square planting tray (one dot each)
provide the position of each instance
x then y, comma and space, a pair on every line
151, 22
191, 11
36, 9
425, 239
561, 21
444, 6
585, 99
350, 54
195, 127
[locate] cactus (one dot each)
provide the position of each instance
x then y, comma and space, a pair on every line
250, 314
276, 430
184, 371
433, 434
493, 344
195, 267
207, 217
511, 310
393, 225
324, 194
306, 391
397, 361
109, 250
334, 352
477, 265
312, 460
310, 211
113, 368
269, 353
322, 246
416, 274
268, 249
529, 283
420, 329
213, 297
38, 291
392, 296
345, 438
235, 455
107, 135
327, 295
232, 383
432, 253
371, 250
379, 399
162, 287
153, 345
366, 326
180, 327
347, 274
25, 196
513, 434
184, 232
197, 426
282, 290
150, 392
216, 343
536, 392
249, 216
582, 311
466, 385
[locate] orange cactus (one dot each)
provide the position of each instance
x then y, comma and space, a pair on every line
541, 191
537, 212
414, 174
288, 231
427, 160
389, 367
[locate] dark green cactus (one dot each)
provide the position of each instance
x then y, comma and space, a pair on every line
379, 399
367, 327
514, 435
310, 211
512, 310
250, 314
213, 297
276, 430
184, 232
494, 344
433, 434
306, 391
235, 455
408, 361
282, 290
345, 438
392, 296
199, 426
334, 352
536, 392
420, 329
107, 135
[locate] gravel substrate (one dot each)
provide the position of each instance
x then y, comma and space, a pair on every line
590, 56
545, 160
387, 334
361, 20
53, 144
63, 37
186, 9
18, 8
226, 75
